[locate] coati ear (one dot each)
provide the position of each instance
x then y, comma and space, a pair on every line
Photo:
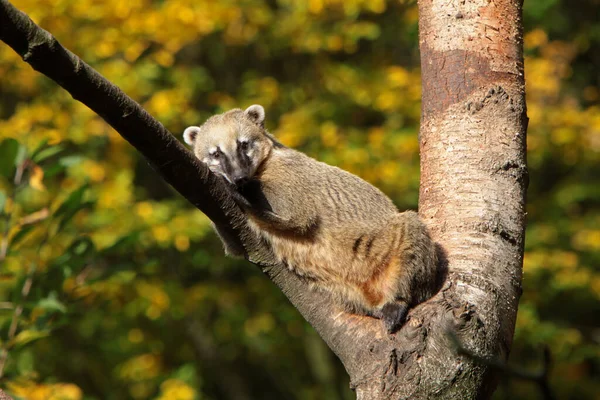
190, 134
256, 113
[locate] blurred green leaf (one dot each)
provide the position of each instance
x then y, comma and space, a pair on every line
45, 153
76, 255
28, 336
72, 205
71, 160
52, 170
25, 362
9, 151
51, 303
73, 201
21, 234
3, 198
124, 244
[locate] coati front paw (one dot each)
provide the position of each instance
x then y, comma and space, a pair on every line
239, 199
393, 315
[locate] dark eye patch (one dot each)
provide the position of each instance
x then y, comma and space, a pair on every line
243, 145
217, 153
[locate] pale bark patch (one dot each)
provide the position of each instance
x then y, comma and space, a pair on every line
480, 26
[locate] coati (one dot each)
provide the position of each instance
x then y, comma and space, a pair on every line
328, 226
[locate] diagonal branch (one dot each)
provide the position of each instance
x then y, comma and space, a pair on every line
176, 165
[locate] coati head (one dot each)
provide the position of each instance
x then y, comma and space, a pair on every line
233, 144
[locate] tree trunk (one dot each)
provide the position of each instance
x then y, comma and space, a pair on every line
473, 185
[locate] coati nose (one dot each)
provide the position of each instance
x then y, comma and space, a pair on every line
240, 180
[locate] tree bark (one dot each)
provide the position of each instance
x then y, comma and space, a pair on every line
473, 185
4, 396
473, 169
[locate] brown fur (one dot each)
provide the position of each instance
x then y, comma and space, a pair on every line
331, 227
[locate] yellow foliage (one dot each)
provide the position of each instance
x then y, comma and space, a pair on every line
135, 336
160, 103
291, 127
175, 389
142, 367
141, 390
157, 299
376, 138
260, 324
182, 242
398, 76
556, 260
134, 50
335, 43
387, 101
535, 38
161, 233
35, 391
117, 192
144, 209
543, 77
95, 170
587, 239
164, 58
195, 295
9, 206
329, 134
388, 170
315, 6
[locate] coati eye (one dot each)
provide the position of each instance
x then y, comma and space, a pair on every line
215, 154
243, 145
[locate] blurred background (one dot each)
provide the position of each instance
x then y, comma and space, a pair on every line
113, 287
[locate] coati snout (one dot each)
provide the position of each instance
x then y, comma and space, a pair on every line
333, 229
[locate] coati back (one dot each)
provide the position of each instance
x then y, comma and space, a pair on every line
328, 226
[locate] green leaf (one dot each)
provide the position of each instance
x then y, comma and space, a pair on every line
124, 277
51, 303
3, 198
73, 202
71, 213
53, 170
69, 161
42, 146
17, 289
72, 205
81, 246
46, 153
25, 362
123, 245
9, 151
21, 234
28, 336
75, 256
